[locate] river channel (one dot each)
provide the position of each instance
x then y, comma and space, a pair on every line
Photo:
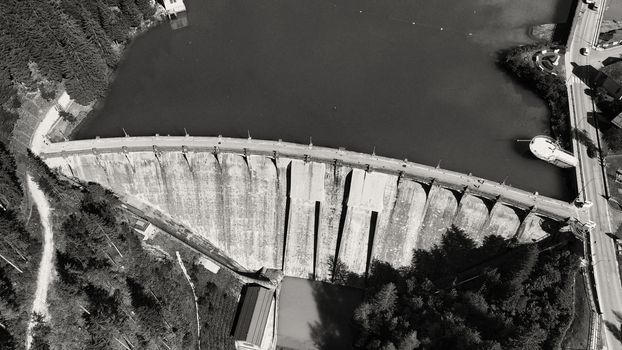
415, 79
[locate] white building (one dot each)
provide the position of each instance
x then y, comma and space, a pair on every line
173, 7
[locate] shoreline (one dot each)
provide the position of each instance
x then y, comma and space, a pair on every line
551, 89
57, 128
95, 106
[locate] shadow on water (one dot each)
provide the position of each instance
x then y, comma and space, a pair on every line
521, 146
562, 30
336, 305
316, 315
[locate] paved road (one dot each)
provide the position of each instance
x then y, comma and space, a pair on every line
38, 139
544, 205
597, 57
590, 176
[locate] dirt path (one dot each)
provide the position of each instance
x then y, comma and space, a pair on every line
196, 303
46, 266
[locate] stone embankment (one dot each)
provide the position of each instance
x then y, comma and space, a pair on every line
296, 215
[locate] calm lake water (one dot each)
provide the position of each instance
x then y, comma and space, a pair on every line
316, 315
352, 73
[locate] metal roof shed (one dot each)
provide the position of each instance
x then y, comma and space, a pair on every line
253, 317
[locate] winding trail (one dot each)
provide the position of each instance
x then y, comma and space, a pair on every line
196, 300
44, 276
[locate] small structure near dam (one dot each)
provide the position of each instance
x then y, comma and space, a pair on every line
547, 149
303, 208
173, 7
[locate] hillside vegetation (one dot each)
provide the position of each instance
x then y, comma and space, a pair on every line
552, 89
110, 290
75, 42
461, 296
20, 249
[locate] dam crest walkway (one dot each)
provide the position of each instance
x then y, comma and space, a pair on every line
477, 186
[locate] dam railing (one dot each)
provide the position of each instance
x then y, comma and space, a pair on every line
370, 162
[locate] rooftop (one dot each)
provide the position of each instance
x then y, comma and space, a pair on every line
253, 315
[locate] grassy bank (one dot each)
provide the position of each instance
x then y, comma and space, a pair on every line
577, 336
519, 63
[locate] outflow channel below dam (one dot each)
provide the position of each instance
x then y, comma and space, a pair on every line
298, 207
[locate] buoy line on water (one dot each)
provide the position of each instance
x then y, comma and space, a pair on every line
414, 22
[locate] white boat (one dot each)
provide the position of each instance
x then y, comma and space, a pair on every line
547, 149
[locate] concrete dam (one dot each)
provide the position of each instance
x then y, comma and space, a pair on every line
298, 207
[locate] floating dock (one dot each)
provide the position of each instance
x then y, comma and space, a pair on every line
547, 149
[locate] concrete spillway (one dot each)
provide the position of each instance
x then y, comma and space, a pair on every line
440, 211
293, 214
472, 215
401, 224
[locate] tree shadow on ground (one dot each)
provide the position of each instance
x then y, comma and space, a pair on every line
585, 139
458, 256
615, 327
446, 296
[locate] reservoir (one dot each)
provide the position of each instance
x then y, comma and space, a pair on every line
411, 78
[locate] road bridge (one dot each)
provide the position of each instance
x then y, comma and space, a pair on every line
591, 179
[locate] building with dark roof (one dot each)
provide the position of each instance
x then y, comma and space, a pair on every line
253, 318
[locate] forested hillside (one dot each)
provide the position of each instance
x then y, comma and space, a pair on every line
110, 292
461, 296
19, 254
71, 41
75, 42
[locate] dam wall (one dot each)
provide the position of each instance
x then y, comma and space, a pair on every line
299, 215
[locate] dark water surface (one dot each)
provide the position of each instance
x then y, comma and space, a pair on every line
316, 315
292, 69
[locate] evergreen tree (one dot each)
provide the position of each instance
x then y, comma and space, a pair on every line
146, 8
131, 12
112, 22
496, 297
96, 34
87, 19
